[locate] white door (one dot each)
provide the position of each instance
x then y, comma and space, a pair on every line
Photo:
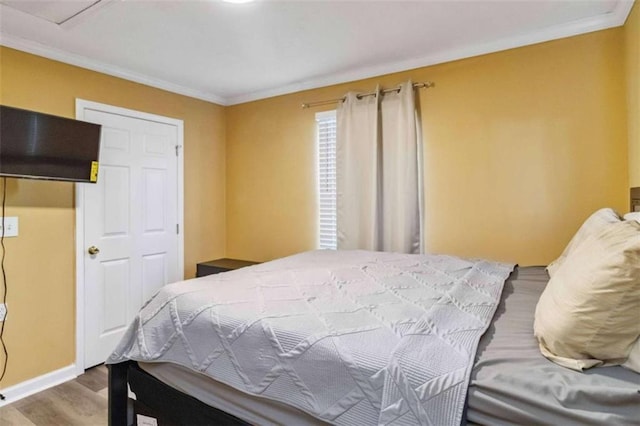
130, 224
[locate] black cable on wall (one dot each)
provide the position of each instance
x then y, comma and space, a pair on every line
4, 286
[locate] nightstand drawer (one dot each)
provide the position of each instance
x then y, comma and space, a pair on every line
221, 265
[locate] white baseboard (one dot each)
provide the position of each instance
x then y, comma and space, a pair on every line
37, 384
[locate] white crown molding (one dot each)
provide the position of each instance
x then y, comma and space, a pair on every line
622, 11
37, 384
39, 49
615, 18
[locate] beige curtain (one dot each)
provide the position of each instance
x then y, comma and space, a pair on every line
379, 173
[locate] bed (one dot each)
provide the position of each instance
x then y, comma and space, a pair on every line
507, 381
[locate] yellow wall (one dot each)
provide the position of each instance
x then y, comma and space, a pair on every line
520, 147
40, 331
632, 48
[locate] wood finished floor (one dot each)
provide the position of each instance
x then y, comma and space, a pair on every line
81, 402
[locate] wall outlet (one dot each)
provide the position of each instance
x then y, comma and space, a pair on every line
3, 312
10, 226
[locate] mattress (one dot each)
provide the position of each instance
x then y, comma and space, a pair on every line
511, 383
250, 408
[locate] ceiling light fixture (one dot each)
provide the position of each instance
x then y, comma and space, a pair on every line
237, 1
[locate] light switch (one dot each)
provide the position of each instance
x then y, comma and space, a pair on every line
10, 226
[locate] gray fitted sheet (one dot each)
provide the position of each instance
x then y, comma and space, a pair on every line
511, 383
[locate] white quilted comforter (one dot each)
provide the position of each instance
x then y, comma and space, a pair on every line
350, 337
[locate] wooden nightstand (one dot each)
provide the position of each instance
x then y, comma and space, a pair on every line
221, 265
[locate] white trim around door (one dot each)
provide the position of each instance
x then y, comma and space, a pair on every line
81, 107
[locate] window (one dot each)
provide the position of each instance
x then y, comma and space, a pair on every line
326, 140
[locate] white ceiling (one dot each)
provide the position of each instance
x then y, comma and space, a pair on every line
232, 53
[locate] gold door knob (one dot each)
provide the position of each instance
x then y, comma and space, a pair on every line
93, 250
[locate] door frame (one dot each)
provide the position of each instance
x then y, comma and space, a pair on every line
82, 106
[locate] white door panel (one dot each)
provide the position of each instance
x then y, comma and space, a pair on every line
131, 216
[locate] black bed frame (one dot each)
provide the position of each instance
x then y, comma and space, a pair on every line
158, 400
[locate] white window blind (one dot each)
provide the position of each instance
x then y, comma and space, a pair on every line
326, 140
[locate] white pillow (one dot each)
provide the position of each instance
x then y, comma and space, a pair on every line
589, 313
592, 225
632, 216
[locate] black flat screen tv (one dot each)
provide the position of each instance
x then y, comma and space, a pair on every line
42, 146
